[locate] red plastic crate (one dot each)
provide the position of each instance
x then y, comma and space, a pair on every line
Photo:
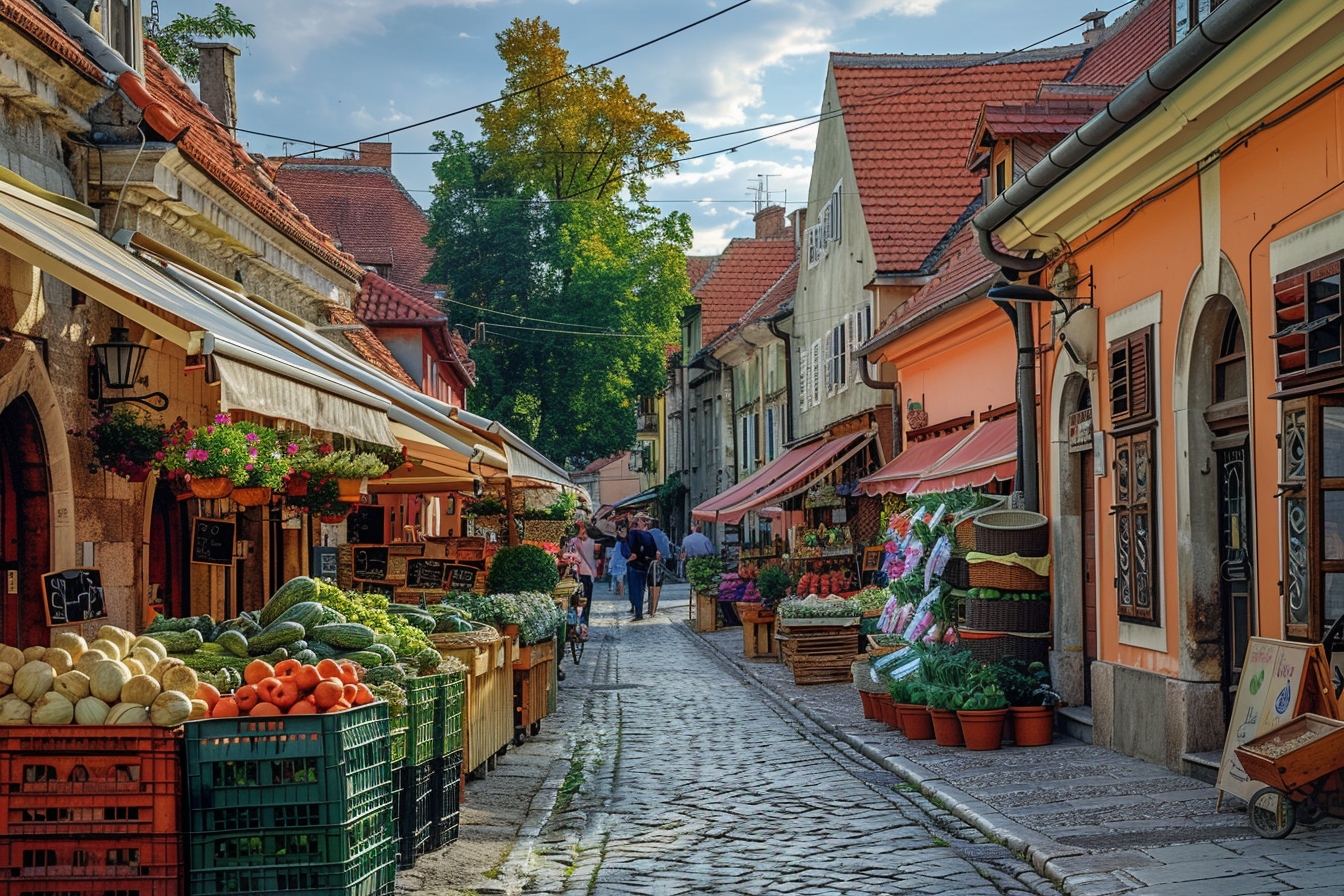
58, 781
91, 866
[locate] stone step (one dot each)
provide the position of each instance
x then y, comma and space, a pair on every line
1076, 722
1203, 766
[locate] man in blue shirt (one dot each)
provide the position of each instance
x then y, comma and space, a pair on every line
650, 525
643, 557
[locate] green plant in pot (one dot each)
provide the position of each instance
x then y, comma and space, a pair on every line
773, 583
983, 709
910, 695
126, 441
1031, 698
945, 671
211, 458
489, 505
523, 568
703, 573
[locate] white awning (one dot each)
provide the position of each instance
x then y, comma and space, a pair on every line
525, 462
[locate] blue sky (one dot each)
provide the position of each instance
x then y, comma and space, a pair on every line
340, 70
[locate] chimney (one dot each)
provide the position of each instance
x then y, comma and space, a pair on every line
1096, 27
217, 81
376, 155
797, 220
770, 223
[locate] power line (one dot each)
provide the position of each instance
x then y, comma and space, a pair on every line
578, 332
539, 320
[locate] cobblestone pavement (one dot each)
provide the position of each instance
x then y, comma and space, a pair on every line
685, 778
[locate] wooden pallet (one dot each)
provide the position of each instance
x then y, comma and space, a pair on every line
758, 640
831, 669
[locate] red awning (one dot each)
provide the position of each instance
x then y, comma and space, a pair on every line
789, 483
989, 454
903, 473
709, 510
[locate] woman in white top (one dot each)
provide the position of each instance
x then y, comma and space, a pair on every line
583, 547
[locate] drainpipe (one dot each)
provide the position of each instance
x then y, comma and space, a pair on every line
773, 324
898, 428
1027, 479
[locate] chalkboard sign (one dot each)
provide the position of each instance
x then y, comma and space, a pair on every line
323, 563
386, 589
461, 578
370, 562
423, 574
367, 524
212, 542
73, 595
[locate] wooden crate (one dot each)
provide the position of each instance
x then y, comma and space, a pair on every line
1318, 750
758, 640
827, 669
534, 654
487, 715
532, 692
706, 608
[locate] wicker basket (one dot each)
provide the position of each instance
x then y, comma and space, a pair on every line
1007, 615
990, 646
480, 634
1012, 532
957, 573
551, 531
1006, 577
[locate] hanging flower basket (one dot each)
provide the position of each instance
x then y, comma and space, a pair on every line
251, 496
296, 486
333, 519
212, 488
350, 490
132, 472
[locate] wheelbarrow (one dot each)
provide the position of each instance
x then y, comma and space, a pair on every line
1300, 765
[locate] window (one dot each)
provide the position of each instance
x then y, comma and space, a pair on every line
818, 237
692, 434
1229, 370
1312, 457
1128, 364
816, 373
1190, 13
771, 423
1307, 312
1000, 177
804, 383
1130, 374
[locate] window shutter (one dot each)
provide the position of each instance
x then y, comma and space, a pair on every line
847, 336
1117, 375
816, 372
1140, 376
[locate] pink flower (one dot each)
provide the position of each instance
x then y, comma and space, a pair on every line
293, 448
158, 455
221, 418
252, 437
252, 452
247, 466
209, 430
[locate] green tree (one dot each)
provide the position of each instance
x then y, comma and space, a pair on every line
176, 40
530, 225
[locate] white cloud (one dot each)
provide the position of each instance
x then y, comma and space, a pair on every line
363, 118
262, 96
290, 29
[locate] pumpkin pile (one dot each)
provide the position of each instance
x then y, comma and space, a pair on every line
291, 687
118, 679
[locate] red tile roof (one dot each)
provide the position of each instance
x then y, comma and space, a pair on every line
962, 269
368, 211
697, 266
369, 346
381, 301
600, 463
908, 121
737, 279
780, 293
208, 144
1132, 44
30, 20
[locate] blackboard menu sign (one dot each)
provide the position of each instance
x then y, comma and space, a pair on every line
423, 574
370, 562
367, 524
212, 542
386, 589
462, 578
323, 563
73, 595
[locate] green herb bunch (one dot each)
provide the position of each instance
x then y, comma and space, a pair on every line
523, 568
703, 573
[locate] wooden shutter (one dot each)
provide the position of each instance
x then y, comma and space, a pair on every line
1129, 368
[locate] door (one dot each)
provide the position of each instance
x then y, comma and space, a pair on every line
25, 525
1087, 488
1234, 562
169, 570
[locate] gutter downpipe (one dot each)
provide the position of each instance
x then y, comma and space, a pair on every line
773, 324
898, 429
1028, 477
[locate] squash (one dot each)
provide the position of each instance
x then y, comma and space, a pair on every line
226, 708
181, 679
110, 649
73, 685
140, 689
119, 636
163, 666
33, 654
52, 709
265, 709
14, 711
127, 714
296, 591
136, 667
328, 693
257, 670
107, 679
71, 643
90, 659
170, 708
146, 657
150, 644
207, 693
11, 655
91, 711
58, 659
33, 680
6, 678
199, 710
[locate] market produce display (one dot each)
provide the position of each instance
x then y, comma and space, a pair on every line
819, 608
536, 614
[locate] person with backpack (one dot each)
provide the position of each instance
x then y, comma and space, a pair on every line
643, 555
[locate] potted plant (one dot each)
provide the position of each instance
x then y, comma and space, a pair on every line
488, 505
1031, 700
911, 699
267, 465
351, 470
772, 584
983, 709
321, 497
301, 456
702, 572
126, 441
946, 671
211, 458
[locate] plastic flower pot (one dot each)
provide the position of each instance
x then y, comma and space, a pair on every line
1033, 726
887, 711
211, 489
916, 721
982, 729
946, 728
870, 710
251, 496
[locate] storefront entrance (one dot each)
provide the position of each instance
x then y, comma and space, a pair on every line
169, 571
1234, 564
25, 524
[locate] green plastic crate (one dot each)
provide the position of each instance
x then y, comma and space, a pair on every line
422, 697
448, 719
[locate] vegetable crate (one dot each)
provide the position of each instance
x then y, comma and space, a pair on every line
448, 716
148, 865
422, 701
532, 675
107, 781
487, 718
417, 812
291, 803
706, 612
447, 800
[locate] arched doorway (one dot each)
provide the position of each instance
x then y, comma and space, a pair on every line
25, 524
169, 569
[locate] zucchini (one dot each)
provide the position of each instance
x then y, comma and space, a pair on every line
307, 614
427, 660
213, 662
422, 621
212, 647
381, 674
277, 635
305, 656
297, 590
188, 641
387, 653
365, 658
235, 643
343, 636
322, 651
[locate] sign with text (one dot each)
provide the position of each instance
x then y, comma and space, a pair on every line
323, 564
462, 578
370, 562
367, 524
1279, 681
424, 574
212, 542
73, 595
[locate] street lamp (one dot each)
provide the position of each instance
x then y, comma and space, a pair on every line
118, 361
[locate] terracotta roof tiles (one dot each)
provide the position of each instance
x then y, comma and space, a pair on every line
737, 279
381, 301
1134, 42
369, 346
697, 266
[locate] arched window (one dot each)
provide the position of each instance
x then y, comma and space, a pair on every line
1229, 368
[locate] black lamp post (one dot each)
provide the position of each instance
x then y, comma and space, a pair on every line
118, 361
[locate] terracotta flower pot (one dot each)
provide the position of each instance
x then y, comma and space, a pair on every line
888, 711
916, 721
870, 710
753, 611
982, 729
332, 519
947, 728
211, 489
296, 487
1033, 726
349, 490
251, 496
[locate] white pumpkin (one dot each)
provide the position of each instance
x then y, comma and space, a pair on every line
163, 666
71, 643
91, 711
11, 655
33, 680
111, 649
146, 657
151, 644
52, 709
14, 711
73, 685
199, 710
136, 667
180, 678
107, 679
170, 708
118, 636
58, 659
34, 653
141, 690
90, 659
6, 677
127, 714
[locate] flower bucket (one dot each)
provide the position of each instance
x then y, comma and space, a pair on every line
753, 611
333, 519
916, 721
296, 487
251, 496
350, 489
1033, 726
982, 729
947, 728
211, 489
868, 709
887, 711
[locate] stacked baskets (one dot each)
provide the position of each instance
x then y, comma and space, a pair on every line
1012, 546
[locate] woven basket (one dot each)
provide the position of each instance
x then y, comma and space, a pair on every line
1012, 532
990, 646
1006, 577
482, 634
1007, 615
552, 531
957, 573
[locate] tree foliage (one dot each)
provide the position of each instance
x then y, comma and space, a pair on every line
176, 40
529, 225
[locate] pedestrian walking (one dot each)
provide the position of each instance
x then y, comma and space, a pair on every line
697, 544
616, 568
584, 548
643, 554
657, 570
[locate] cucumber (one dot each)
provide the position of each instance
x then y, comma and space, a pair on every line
343, 636
307, 614
295, 591
278, 634
235, 643
188, 641
365, 658
387, 653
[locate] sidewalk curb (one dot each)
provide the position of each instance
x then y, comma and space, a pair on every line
514, 870
1039, 851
